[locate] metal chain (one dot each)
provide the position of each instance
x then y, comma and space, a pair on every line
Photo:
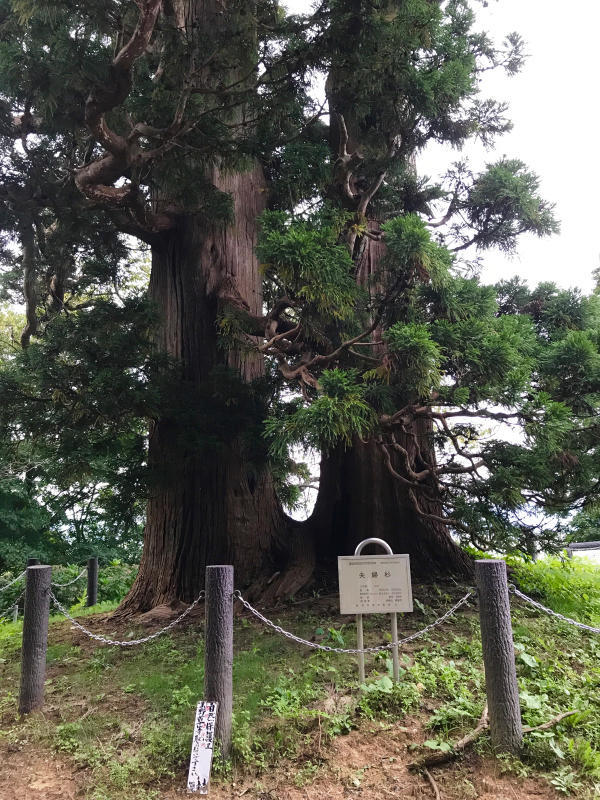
513, 589
8, 585
352, 651
106, 640
16, 603
70, 583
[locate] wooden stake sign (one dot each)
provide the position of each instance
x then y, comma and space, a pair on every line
202, 747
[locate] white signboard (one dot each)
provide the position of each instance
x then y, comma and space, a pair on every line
202, 747
374, 584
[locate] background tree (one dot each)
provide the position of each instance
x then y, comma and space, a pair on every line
71, 437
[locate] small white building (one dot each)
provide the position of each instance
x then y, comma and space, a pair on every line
587, 550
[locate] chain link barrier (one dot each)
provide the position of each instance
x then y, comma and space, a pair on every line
9, 610
70, 583
130, 642
8, 585
513, 590
352, 651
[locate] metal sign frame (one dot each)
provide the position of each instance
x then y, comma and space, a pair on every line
359, 618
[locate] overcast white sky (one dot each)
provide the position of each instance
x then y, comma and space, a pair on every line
555, 111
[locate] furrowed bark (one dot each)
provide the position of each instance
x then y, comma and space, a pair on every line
210, 503
358, 498
359, 495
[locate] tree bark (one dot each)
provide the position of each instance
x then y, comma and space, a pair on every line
502, 689
218, 655
358, 498
35, 638
211, 501
212, 498
358, 495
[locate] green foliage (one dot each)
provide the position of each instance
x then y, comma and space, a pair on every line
417, 357
310, 262
488, 358
570, 586
72, 421
585, 526
24, 525
114, 581
503, 203
338, 412
411, 249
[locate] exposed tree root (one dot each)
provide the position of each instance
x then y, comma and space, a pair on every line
436, 759
442, 758
300, 561
551, 722
433, 784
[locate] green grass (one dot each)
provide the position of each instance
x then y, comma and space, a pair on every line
125, 716
570, 586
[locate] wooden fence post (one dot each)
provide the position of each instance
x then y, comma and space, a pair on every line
35, 637
92, 581
32, 562
506, 729
218, 658
15, 613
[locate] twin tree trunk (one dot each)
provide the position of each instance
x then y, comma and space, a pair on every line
211, 501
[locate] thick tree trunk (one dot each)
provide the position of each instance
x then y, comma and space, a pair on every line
358, 495
359, 498
212, 497
211, 502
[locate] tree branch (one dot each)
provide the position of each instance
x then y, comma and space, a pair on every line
96, 180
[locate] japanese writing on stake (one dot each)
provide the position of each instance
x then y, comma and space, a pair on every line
202, 747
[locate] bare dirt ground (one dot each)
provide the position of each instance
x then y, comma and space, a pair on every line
367, 763
28, 774
373, 765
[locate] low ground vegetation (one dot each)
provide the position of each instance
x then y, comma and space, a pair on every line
117, 723
114, 581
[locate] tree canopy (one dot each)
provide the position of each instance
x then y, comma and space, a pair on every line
123, 124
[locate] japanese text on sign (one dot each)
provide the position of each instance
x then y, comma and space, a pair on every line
374, 584
202, 747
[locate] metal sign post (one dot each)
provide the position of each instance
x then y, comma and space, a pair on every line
371, 584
